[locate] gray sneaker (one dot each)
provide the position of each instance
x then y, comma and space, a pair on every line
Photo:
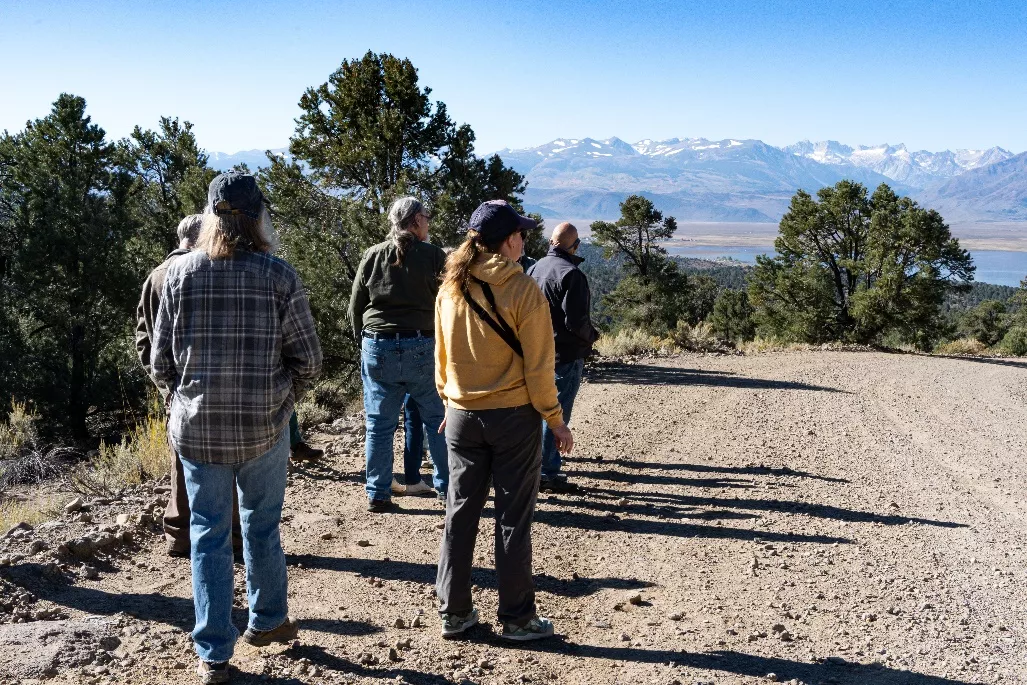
535, 629
453, 625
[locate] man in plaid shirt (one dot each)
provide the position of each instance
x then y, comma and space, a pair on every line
234, 342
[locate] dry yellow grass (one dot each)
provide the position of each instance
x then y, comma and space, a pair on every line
141, 456
14, 511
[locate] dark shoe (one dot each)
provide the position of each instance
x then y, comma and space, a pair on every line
287, 632
379, 506
178, 551
211, 672
301, 451
556, 484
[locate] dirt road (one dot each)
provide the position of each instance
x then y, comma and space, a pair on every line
807, 517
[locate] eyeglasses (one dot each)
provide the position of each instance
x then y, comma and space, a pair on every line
576, 243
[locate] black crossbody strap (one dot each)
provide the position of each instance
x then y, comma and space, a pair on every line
501, 327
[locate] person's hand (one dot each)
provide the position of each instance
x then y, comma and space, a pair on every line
442, 426
564, 439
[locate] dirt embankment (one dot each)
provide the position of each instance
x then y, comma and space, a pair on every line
808, 517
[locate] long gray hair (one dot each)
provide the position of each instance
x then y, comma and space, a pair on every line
402, 215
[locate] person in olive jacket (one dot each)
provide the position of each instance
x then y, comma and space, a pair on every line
392, 311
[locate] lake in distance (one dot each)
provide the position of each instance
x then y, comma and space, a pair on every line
1000, 267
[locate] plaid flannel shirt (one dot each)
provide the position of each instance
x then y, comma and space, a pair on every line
235, 343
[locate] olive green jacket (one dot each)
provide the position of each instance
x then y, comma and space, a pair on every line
390, 298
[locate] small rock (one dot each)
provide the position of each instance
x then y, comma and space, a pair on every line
485, 664
363, 543
778, 628
90, 572
393, 654
73, 506
299, 670
676, 616
36, 547
624, 637
17, 528
327, 536
634, 598
416, 623
785, 636
772, 677
622, 502
399, 623
123, 519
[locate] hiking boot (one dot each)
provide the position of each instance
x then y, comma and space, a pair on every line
535, 629
211, 672
557, 483
286, 632
379, 506
178, 551
453, 625
301, 451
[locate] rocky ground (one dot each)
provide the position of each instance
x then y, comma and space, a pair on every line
804, 517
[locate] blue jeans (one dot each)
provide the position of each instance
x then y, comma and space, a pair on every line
568, 381
391, 369
413, 443
261, 487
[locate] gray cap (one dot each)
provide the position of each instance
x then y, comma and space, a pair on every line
235, 193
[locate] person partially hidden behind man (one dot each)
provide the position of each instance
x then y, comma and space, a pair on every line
565, 286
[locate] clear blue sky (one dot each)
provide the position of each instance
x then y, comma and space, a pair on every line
933, 74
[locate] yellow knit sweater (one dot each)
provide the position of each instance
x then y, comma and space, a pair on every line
474, 367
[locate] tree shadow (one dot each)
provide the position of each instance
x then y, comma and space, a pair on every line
998, 361
409, 571
644, 374
784, 471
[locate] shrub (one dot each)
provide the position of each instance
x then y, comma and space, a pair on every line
630, 342
1015, 342
19, 431
141, 456
14, 511
985, 322
970, 346
697, 338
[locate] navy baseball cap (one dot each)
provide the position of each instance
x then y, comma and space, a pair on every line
234, 193
496, 219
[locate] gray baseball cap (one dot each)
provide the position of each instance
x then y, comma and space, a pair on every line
235, 193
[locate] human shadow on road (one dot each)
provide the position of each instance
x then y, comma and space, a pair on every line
574, 519
657, 479
784, 471
642, 374
608, 503
168, 609
726, 661
482, 577
320, 656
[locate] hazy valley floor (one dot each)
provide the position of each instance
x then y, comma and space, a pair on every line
824, 517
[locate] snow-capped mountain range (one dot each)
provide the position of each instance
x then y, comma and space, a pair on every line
696, 179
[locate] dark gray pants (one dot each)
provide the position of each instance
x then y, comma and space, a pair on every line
505, 444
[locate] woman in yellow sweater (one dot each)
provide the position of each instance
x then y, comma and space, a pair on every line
494, 360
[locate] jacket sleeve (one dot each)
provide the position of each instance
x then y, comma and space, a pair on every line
301, 349
162, 356
576, 306
441, 356
149, 302
359, 298
536, 335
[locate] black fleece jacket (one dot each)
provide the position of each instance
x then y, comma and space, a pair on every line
570, 301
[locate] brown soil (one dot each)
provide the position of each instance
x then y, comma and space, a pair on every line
807, 517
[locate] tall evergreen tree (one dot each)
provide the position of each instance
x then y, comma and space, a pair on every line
68, 276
